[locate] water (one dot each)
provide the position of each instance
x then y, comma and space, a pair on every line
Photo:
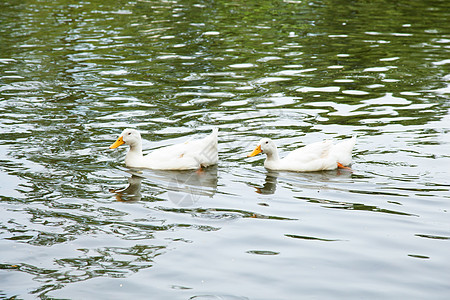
76, 223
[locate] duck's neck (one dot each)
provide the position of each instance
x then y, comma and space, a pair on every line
272, 157
134, 155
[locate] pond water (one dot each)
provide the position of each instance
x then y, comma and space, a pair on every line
76, 223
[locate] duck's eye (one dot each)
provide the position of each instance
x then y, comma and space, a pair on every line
267, 142
129, 133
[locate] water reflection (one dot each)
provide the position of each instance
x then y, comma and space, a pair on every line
305, 180
326, 188
270, 184
310, 238
132, 192
184, 188
354, 206
71, 75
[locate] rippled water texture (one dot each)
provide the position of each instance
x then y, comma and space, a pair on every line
76, 223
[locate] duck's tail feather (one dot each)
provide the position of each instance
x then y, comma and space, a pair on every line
215, 131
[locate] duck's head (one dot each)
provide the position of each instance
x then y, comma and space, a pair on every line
266, 146
131, 137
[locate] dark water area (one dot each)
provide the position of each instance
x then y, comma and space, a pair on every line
75, 223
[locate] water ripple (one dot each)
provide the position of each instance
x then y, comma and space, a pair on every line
73, 218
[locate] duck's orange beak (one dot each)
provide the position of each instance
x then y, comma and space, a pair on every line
256, 151
117, 143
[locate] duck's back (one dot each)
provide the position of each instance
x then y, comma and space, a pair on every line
191, 154
312, 157
310, 152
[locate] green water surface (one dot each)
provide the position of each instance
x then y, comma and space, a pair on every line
75, 223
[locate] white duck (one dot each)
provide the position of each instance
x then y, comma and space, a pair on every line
192, 154
313, 157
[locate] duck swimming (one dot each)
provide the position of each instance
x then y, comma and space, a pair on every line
313, 157
192, 154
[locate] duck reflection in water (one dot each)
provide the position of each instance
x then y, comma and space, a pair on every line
270, 184
132, 193
184, 188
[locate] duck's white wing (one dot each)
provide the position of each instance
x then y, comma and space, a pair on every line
167, 152
318, 150
188, 155
312, 157
205, 150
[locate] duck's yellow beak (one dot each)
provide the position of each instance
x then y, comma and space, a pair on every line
117, 143
256, 151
